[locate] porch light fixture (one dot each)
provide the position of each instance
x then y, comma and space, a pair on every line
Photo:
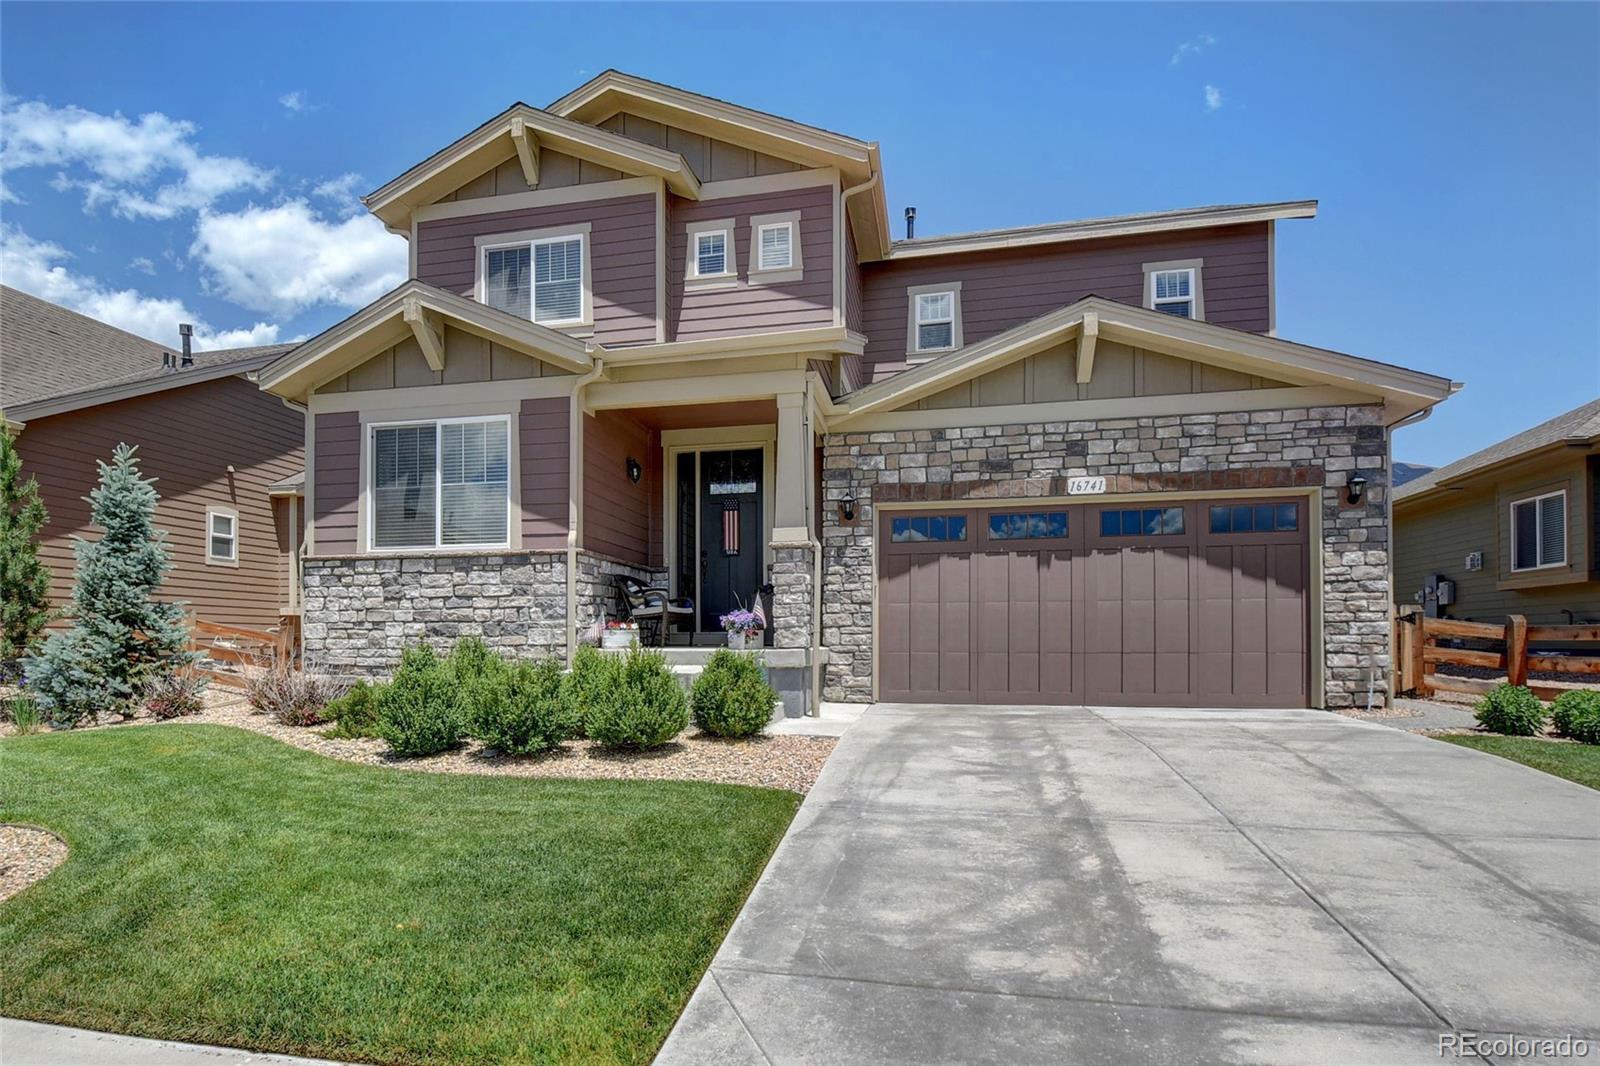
847, 508
1355, 488
635, 471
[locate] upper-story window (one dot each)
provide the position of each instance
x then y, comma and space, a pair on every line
222, 536
712, 262
1539, 531
540, 275
1174, 288
710, 253
934, 319
775, 248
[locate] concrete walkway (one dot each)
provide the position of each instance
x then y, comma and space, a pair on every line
32, 1044
1016, 885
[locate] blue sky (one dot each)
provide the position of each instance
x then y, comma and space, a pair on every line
203, 161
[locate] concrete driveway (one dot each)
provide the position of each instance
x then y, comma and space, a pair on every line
1023, 885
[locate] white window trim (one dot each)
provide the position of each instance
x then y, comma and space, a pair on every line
222, 560
914, 353
530, 238
692, 278
370, 489
1197, 290
795, 271
1538, 522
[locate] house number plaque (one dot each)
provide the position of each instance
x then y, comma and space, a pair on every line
1085, 486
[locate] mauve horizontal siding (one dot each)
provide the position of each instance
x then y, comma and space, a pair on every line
336, 482
747, 308
187, 439
622, 242
619, 517
1002, 289
542, 444
852, 281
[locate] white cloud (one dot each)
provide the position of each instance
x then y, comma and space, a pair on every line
284, 259
341, 191
1193, 47
295, 102
1213, 98
39, 267
149, 168
143, 265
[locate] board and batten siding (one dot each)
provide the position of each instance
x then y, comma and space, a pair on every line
621, 247
187, 438
335, 482
743, 307
1005, 288
710, 159
620, 519
542, 441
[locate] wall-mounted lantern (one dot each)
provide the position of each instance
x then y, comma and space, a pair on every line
635, 471
847, 508
1355, 488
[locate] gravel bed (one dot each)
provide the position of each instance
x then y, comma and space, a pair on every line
26, 856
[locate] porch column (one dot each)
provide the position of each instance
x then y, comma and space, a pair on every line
793, 559
792, 492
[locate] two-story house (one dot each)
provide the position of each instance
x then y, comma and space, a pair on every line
652, 332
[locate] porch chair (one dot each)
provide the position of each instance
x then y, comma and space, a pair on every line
651, 608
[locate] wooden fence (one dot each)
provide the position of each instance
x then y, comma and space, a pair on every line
1419, 653
229, 650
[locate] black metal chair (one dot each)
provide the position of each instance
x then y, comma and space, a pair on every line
652, 608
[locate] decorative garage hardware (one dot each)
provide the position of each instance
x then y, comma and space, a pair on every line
928, 528
847, 508
1355, 488
635, 471
1036, 525
1149, 522
1256, 518
1085, 486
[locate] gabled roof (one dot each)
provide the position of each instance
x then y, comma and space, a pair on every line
1579, 426
495, 141
53, 360
414, 309
1406, 391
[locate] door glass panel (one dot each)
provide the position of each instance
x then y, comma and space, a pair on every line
1288, 520
910, 530
686, 528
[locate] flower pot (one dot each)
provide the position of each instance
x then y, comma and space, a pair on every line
736, 640
619, 638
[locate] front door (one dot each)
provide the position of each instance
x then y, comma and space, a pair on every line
730, 532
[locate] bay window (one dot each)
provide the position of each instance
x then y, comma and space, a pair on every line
441, 484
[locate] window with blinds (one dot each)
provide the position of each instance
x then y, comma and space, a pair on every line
776, 246
541, 280
441, 484
711, 254
1172, 292
506, 281
936, 320
1539, 532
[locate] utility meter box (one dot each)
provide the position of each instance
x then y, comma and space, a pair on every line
1446, 592
1474, 562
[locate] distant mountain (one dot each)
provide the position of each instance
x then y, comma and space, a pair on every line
1404, 472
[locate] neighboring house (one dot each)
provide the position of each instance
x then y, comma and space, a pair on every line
1513, 529
1404, 472
214, 442
654, 333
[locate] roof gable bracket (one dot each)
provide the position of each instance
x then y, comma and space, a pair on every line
527, 143
1087, 336
428, 328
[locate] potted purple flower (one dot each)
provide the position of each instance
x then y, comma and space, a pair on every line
742, 627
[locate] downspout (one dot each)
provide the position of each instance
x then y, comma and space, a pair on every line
574, 483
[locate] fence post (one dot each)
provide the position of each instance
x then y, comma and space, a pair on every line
1517, 649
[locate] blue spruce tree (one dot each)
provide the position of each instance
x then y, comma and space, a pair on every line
121, 637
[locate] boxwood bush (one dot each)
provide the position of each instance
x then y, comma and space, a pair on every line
355, 714
1511, 710
1576, 714
731, 697
636, 704
592, 671
419, 712
520, 710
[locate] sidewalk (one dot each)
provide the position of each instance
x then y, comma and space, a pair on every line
35, 1044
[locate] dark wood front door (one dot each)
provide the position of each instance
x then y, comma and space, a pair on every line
731, 544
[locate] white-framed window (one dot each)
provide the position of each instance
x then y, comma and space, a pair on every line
222, 536
933, 319
713, 261
440, 484
775, 254
1539, 531
540, 275
1174, 288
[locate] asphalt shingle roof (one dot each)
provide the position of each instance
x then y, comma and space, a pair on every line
1578, 424
47, 351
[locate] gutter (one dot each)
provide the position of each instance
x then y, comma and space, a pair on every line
574, 488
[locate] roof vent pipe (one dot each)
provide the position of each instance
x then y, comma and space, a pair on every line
168, 361
186, 331
911, 223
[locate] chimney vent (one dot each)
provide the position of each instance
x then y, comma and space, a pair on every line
911, 223
169, 361
186, 331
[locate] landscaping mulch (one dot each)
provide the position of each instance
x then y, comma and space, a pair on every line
26, 856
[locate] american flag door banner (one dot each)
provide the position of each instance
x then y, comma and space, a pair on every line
730, 526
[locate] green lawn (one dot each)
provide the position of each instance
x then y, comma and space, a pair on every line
225, 888
1575, 762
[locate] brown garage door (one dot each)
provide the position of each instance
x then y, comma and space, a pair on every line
1201, 603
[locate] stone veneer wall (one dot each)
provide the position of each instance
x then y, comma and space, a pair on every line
597, 585
791, 621
1287, 448
359, 612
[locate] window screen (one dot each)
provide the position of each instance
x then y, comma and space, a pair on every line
472, 482
1539, 532
403, 488
558, 280
506, 281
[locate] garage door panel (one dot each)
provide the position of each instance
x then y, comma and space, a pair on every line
955, 623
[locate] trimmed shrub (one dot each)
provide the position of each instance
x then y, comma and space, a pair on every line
418, 712
592, 672
355, 714
471, 660
639, 705
175, 695
293, 697
731, 697
520, 710
1576, 714
1511, 710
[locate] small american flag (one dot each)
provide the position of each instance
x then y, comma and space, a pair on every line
759, 611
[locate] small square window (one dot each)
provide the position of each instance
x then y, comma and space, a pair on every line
775, 246
1175, 288
935, 321
711, 254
